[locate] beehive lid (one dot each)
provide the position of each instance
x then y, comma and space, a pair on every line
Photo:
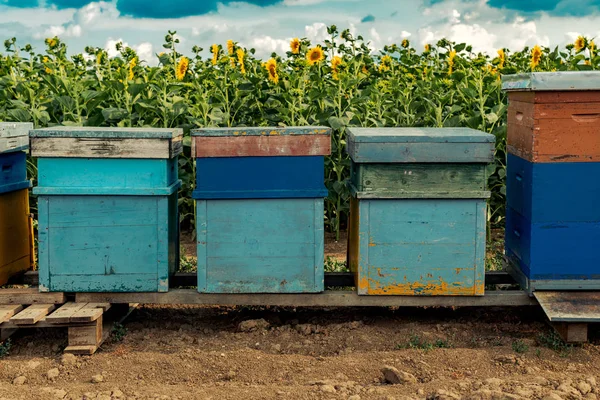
14, 136
552, 81
402, 145
262, 131
94, 142
261, 141
107, 133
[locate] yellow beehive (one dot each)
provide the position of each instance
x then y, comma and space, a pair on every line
16, 234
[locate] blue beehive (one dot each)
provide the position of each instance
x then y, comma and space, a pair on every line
107, 203
259, 198
418, 211
16, 230
552, 216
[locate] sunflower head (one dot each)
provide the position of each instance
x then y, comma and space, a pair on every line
230, 47
365, 70
501, 57
427, 48
181, 68
592, 45
271, 67
214, 49
580, 44
451, 56
536, 56
45, 59
48, 70
132, 64
295, 45
386, 63
336, 61
52, 42
240, 57
315, 55
405, 43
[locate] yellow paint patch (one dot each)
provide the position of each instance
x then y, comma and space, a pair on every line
274, 133
425, 289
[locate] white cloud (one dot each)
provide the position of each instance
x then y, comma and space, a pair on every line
111, 47
317, 32
265, 45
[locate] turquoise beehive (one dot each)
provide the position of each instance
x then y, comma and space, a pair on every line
259, 201
107, 203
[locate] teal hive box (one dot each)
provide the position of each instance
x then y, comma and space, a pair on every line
418, 210
107, 204
259, 216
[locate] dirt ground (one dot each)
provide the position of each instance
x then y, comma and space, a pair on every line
199, 352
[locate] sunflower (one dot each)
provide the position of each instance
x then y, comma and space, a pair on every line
405, 43
592, 47
271, 67
48, 70
336, 61
240, 57
182, 67
295, 45
51, 42
536, 56
45, 59
386, 63
364, 70
230, 47
451, 56
132, 65
315, 55
502, 58
427, 48
580, 44
214, 49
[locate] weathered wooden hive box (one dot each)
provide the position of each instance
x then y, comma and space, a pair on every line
418, 210
553, 193
16, 231
107, 204
259, 197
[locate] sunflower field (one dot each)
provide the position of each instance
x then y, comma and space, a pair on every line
339, 83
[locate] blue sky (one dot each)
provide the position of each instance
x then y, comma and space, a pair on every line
268, 25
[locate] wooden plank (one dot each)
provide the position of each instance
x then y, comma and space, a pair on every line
15, 129
256, 146
101, 148
90, 312
552, 81
30, 296
64, 313
334, 298
85, 339
570, 306
5, 333
572, 332
106, 132
332, 279
14, 144
419, 180
262, 131
32, 314
6, 312
420, 145
555, 97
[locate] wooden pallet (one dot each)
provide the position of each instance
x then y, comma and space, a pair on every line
88, 324
570, 312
